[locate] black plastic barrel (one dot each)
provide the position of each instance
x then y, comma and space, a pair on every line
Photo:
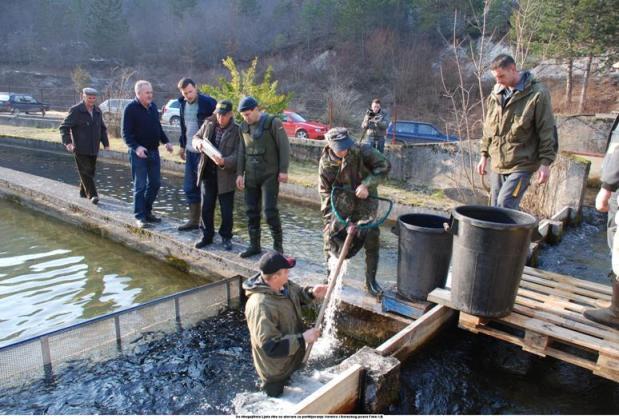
424, 250
490, 248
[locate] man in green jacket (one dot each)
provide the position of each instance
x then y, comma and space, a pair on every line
262, 164
518, 135
275, 322
357, 169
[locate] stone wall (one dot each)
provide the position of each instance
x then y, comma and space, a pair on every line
584, 133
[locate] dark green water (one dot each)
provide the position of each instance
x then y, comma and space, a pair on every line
53, 274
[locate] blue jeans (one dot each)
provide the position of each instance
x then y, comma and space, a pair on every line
146, 175
192, 190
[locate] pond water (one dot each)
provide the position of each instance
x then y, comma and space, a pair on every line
53, 274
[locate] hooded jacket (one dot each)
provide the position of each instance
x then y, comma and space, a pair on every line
519, 137
276, 327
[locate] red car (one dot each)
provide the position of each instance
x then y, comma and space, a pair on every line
296, 126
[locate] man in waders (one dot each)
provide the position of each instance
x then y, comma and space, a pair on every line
610, 183
359, 169
518, 135
274, 319
262, 164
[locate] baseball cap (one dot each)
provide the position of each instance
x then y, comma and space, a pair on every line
223, 106
274, 261
338, 139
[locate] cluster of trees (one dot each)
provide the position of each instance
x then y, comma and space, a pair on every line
388, 48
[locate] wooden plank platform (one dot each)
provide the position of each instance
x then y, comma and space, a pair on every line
547, 320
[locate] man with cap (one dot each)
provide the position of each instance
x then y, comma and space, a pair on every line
357, 169
217, 171
275, 322
195, 107
82, 131
262, 165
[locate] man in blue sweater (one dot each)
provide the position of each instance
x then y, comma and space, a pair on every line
195, 108
142, 133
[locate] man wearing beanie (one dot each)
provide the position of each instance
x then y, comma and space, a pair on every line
274, 319
263, 163
82, 131
358, 169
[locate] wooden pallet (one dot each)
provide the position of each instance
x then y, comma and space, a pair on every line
547, 320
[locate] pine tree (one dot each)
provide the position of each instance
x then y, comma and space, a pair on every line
107, 28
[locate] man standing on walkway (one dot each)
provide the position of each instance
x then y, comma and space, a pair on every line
275, 322
518, 135
262, 165
606, 201
195, 108
218, 141
143, 133
82, 131
357, 169
375, 125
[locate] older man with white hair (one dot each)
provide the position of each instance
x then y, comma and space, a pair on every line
143, 134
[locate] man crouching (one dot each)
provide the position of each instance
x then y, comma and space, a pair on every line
273, 313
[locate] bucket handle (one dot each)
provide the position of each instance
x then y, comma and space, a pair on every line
396, 229
451, 226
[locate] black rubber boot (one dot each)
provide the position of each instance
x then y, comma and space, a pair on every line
607, 316
371, 266
278, 238
194, 218
254, 244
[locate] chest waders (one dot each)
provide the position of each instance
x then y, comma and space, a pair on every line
261, 184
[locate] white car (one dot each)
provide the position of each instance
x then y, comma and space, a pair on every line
171, 113
114, 106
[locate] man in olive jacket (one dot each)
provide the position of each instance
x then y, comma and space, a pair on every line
375, 123
263, 163
357, 169
82, 131
519, 133
217, 172
275, 322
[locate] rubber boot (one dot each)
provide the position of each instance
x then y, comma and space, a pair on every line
278, 238
194, 218
371, 266
254, 244
607, 316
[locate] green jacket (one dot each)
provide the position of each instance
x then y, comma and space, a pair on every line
520, 136
375, 126
276, 327
362, 164
264, 149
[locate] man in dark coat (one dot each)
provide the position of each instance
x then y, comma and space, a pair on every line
82, 131
218, 141
195, 108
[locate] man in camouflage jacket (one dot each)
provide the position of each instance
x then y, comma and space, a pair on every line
358, 169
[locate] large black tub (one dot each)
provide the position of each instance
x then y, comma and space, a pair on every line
424, 250
490, 247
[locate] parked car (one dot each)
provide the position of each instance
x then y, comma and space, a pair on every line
171, 112
20, 102
417, 132
297, 126
114, 106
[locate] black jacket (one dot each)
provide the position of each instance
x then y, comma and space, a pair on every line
83, 130
141, 126
206, 107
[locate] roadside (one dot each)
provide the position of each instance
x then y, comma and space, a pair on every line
304, 174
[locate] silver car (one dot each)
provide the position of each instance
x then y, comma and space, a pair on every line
171, 113
114, 106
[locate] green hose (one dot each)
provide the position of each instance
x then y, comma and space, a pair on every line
364, 226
